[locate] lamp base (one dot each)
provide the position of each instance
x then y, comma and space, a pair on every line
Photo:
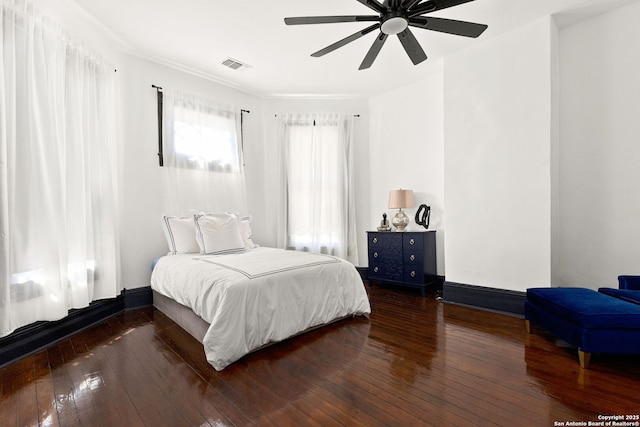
400, 221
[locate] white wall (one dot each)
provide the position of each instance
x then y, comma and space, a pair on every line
600, 149
555, 154
497, 127
141, 178
407, 151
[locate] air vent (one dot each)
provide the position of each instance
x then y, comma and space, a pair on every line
234, 64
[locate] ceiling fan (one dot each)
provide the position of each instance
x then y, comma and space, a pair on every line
395, 17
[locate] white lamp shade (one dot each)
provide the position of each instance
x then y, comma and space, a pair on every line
399, 199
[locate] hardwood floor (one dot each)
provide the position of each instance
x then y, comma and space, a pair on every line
416, 361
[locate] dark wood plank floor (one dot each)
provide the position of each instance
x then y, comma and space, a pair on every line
416, 361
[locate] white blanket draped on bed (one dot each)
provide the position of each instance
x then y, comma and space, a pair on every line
260, 296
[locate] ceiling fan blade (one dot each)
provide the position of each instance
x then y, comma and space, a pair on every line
345, 40
373, 51
304, 20
375, 5
428, 6
434, 5
449, 26
444, 4
408, 4
412, 47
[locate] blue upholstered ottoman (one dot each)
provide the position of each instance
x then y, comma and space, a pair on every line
594, 322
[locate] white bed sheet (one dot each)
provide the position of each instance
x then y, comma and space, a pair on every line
259, 296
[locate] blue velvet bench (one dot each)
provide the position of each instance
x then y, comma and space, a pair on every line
607, 321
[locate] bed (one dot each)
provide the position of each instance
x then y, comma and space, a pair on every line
236, 303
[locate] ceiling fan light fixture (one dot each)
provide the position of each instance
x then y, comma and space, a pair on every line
394, 18
394, 25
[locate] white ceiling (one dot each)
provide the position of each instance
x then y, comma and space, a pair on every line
197, 35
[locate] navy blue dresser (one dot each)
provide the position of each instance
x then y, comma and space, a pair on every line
403, 258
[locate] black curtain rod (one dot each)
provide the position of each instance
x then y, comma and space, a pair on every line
355, 115
160, 102
242, 133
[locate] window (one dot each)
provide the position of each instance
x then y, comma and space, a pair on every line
59, 236
202, 135
204, 169
320, 215
206, 140
314, 187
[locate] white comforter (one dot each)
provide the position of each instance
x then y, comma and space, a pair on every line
260, 296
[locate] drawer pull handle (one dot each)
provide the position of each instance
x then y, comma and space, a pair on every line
412, 257
375, 254
411, 242
375, 269
413, 274
375, 240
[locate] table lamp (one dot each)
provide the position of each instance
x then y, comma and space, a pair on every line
399, 199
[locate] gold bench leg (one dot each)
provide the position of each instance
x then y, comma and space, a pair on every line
531, 328
585, 358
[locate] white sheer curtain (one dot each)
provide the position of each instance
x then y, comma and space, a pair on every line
203, 168
318, 184
58, 223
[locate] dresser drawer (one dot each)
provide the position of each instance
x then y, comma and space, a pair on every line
385, 271
376, 254
413, 241
414, 274
385, 245
413, 257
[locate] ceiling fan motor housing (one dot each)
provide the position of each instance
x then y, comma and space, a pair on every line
394, 23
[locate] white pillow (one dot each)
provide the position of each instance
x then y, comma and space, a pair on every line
245, 232
218, 233
181, 235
